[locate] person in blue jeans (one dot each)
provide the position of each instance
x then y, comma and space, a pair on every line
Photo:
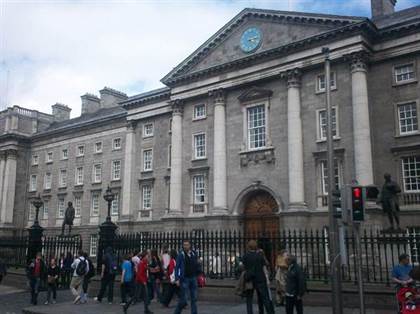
127, 277
186, 271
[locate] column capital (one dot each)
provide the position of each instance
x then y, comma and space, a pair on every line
3, 154
177, 106
358, 61
132, 125
11, 153
219, 96
293, 77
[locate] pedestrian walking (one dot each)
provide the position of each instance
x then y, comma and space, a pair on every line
165, 258
127, 276
136, 261
186, 271
3, 270
255, 264
295, 286
80, 268
155, 270
53, 273
108, 271
281, 271
65, 269
36, 272
172, 288
86, 279
141, 279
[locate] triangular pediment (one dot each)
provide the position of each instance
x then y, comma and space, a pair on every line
277, 28
255, 93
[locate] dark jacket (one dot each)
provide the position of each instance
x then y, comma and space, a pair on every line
254, 263
180, 265
30, 271
295, 280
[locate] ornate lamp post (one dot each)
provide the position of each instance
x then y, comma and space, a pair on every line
109, 197
35, 231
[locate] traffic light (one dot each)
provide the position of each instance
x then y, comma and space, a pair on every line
357, 203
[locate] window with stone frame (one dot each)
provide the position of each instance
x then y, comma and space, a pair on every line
199, 146
322, 123
148, 129
97, 173
63, 178
199, 189
79, 176
256, 126
116, 170
407, 118
115, 205
404, 73
199, 112
65, 154
320, 82
324, 175
146, 201
116, 143
80, 150
33, 183
411, 173
77, 206
148, 160
45, 209
94, 207
35, 160
47, 181
31, 214
98, 147
61, 208
49, 157
93, 247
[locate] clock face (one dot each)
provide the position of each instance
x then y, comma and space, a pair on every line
251, 39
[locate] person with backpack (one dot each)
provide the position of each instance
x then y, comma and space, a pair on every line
80, 268
36, 271
86, 279
52, 279
186, 271
108, 271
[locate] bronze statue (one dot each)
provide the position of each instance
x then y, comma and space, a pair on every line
68, 217
389, 200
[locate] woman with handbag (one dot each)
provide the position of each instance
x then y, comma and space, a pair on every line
53, 273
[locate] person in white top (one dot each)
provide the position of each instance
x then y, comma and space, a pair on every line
165, 258
80, 268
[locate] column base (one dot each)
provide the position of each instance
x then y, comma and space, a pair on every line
298, 206
219, 211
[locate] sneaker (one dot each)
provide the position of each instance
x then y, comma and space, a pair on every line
110, 303
54, 302
46, 303
77, 300
123, 303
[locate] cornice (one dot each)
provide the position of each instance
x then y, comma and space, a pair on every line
146, 98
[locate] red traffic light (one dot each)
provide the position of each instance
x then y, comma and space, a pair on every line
357, 192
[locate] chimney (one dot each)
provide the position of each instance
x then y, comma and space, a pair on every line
382, 7
111, 97
60, 112
90, 103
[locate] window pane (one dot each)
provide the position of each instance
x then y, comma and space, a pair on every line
408, 118
199, 189
324, 176
256, 127
322, 120
411, 173
200, 145
404, 73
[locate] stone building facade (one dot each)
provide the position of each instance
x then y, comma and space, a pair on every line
236, 138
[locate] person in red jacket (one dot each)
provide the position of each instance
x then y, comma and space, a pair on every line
142, 277
170, 274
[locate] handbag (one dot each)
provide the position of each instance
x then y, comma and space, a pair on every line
201, 280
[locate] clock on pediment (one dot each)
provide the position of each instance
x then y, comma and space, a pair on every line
251, 39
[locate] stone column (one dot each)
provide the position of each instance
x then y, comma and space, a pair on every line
219, 154
175, 200
130, 148
9, 186
361, 124
295, 141
2, 166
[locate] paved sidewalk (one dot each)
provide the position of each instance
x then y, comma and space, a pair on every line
204, 308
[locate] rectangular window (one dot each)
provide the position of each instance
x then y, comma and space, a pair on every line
148, 160
320, 82
322, 123
324, 176
199, 146
404, 73
77, 206
94, 209
199, 111
80, 150
63, 178
115, 206
116, 170
407, 115
93, 249
147, 197
116, 143
47, 181
98, 147
33, 183
256, 127
411, 173
79, 176
199, 189
148, 130
49, 157
35, 160
61, 208
65, 154
45, 210
97, 173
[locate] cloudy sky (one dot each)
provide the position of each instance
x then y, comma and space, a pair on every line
54, 51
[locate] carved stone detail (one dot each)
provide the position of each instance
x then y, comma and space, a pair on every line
358, 61
219, 96
293, 77
256, 157
177, 107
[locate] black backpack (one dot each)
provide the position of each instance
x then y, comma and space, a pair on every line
81, 268
91, 271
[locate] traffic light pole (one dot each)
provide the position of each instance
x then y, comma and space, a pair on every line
356, 228
335, 261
